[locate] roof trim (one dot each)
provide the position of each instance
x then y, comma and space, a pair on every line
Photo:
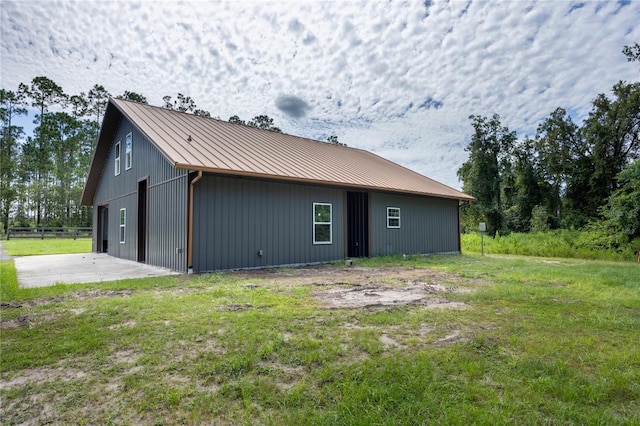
228, 172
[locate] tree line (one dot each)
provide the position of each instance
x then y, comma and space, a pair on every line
566, 176
42, 175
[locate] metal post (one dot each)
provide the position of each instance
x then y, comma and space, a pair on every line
483, 228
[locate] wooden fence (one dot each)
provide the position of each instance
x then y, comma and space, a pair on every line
43, 233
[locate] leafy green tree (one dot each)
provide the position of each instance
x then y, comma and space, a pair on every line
65, 134
133, 96
622, 212
184, 103
79, 105
612, 131
11, 106
539, 219
97, 99
483, 174
556, 145
202, 113
524, 187
632, 52
264, 122
235, 119
333, 139
43, 93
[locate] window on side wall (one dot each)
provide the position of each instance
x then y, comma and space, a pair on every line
117, 156
393, 217
123, 225
127, 152
322, 223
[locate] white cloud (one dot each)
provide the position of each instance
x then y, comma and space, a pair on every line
398, 78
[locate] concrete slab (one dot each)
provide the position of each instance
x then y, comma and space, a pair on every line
4, 256
42, 271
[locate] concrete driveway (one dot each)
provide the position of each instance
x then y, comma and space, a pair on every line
42, 271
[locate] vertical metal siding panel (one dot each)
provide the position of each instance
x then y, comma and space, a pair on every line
243, 225
428, 225
285, 239
232, 235
297, 203
212, 222
258, 209
248, 241
219, 227
94, 230
287, 230
228, 210
279, 231
201, 209
235, 232
266, 230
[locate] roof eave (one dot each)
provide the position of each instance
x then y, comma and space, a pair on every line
109, 125
228, 172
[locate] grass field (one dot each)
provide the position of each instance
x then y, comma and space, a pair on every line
35, 246
496, 340
563, 243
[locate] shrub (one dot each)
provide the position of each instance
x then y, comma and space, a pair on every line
539, 219
590, 244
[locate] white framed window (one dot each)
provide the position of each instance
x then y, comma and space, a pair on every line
393, 217
127, 152
322, 223
123, 225
117, 157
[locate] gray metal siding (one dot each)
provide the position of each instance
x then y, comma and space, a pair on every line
128, 249
427, 225
167, 195
167, 225
234, 218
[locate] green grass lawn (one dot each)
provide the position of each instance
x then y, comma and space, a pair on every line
542, 341
35, 246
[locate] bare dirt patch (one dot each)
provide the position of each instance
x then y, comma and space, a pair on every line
39, 375
413, 293
380, 295
21, 321
82, 295
329, 275
354, 287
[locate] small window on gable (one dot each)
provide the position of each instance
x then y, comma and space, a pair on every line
123, 225
393, 217
117, 157
127, 152
321, 223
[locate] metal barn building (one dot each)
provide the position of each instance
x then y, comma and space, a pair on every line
198, 194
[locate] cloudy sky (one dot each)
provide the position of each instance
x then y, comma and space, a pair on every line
397, 78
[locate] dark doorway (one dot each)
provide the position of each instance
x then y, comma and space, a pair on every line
357, 224
103, 229
142, 221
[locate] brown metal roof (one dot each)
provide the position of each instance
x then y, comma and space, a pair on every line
198, 143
